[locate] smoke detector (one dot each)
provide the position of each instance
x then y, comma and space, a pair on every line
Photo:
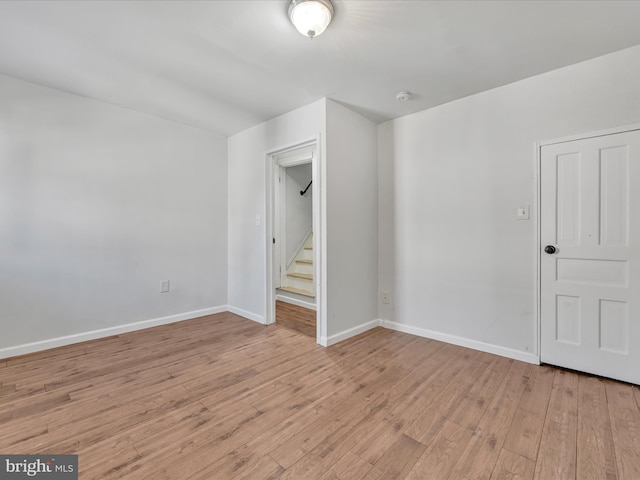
403, 96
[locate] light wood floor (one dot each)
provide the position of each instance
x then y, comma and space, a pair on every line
225, 398
300, 319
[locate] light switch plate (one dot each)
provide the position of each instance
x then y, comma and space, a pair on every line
523, 212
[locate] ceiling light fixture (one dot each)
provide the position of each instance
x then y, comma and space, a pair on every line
310, 17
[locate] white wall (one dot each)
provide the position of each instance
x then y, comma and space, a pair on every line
386, 206
299, 212
98, 205
352, 223
247, 200
348, 188
460, 265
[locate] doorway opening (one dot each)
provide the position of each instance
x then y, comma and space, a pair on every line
293, 240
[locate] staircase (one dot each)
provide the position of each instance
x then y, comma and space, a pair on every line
299, 277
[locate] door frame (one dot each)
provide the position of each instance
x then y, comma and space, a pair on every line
537, 202
319, 242
280, 204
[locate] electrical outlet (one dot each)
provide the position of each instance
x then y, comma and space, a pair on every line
164, 286
386, 298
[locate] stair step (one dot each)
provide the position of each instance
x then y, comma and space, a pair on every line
308, 276
299, 291
310, 262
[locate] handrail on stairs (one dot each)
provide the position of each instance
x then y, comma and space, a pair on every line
302, 192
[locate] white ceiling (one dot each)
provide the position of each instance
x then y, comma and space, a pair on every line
227, 65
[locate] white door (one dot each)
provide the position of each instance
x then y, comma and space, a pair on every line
590, 260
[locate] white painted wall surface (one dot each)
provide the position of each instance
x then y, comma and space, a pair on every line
454, 175
299, 213
352, 222
386, 205
246, 186
98, 205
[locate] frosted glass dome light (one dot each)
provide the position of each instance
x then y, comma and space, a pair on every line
310, 17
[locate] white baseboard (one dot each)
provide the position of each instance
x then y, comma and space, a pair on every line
105, 332
324, 341
295, 301
463, 342
246, 314
351, 332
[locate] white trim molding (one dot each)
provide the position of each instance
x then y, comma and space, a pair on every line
296, 301
596, 133
463, 342
246, 314
443, 337
105, 332
299, 247
351, 332
319, 224
537, 245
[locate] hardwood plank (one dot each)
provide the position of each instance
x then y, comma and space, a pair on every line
423, 413
265, 469
526, 429
442, 454
106, 458
470, 409
188, 456
298, 445
223, 397
402, 350
479, 458
400, 458
275, 436
625, 423
596, 457
6, 390
88, 430
511, 466
557, 454
300, 319
329, 451
349, 467
310, 468
22, 430
362, 425
124, 398
33, 405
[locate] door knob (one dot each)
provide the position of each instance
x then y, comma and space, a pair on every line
550, 249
